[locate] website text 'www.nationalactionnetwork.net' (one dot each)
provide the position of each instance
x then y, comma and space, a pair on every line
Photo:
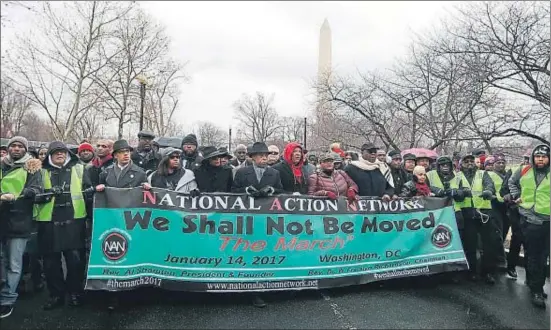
262, 285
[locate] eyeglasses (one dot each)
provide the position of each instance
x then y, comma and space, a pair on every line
175, 157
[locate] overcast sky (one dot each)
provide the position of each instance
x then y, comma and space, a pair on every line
243, 47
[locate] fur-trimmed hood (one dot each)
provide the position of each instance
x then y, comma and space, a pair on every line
30, 164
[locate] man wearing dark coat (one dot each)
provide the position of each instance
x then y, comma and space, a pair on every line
145, 156
399, 174
258, 180
122, 174
259, 177
61, 225
191, 157
212, 176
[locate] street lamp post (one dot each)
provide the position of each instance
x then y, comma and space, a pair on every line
142, 81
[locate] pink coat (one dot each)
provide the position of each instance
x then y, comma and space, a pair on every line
339, 183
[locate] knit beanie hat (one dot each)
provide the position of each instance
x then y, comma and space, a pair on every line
85, 146
21, 140
190, 139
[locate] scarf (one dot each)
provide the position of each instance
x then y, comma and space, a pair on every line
377, 165
288, 155
21, 161
422, 189
98, 162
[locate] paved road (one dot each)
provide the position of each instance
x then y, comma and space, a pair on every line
402, 304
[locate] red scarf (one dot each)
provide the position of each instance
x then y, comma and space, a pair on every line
422, 189
97, 162
288, 155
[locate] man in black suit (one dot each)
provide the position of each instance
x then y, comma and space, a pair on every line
122, 174
258, 180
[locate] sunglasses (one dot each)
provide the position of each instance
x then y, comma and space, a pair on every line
175, 157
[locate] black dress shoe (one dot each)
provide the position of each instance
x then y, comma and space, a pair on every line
258, 301
490, 279
53, 303
38, 287
75, 300
538, 300
113, 303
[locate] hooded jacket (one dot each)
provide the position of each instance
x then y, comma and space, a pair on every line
293, 178
180, 180
515, 188
64, 232
16, 216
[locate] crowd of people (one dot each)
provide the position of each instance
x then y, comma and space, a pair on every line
46, 199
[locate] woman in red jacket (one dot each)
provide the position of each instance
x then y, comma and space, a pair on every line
330, 182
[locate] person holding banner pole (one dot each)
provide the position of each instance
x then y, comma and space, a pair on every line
122, 174
61, 225
258, 180
479, 190
444, 183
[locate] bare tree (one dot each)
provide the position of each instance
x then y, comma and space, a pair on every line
257, 116
507, 43
142, 45
14, 107
57, 63
162, 97
292, 128
209, 134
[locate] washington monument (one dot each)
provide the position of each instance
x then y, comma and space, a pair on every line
324, 57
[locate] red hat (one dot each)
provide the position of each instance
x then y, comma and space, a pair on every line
85, 146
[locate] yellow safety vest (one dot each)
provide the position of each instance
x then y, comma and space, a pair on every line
79, 207
434, 180
532, 196
476, 189
13, 182
498, 182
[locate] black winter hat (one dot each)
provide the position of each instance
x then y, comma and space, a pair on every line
258, 148
146, 134
394, 154
478, 152
444, 159
190, 139
368, 146
56, 145
409, 156
121, 144
211, 152
225, 152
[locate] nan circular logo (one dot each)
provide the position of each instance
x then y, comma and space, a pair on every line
114, 246
441, 236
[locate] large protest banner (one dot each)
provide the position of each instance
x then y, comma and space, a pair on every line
227, 242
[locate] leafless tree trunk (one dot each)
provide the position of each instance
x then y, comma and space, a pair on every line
211, 135
142, 45
258, 118
56, 65
14, 107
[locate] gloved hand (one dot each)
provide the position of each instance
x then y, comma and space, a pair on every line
252, 191
486, 194
440, 192
89, 191
267, 191
351, 195
459, 196
28, 193
507, 198
195, 193
331, 195
57, 190
467, 192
